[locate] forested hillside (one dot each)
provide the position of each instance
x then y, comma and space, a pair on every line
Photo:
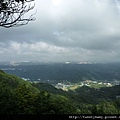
20, 97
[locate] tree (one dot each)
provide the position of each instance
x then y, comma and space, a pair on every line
24, 100
12, 12
104, 108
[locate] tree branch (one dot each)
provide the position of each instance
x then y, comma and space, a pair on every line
12, 12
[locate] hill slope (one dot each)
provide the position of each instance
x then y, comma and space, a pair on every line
13, 82
20, 97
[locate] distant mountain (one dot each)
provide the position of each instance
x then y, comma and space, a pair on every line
54, 73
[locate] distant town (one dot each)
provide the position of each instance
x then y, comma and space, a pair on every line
66, 85
93, 84
16, 63
66, 75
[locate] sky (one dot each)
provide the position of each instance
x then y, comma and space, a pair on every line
66, 30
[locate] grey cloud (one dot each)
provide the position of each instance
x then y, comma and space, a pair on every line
68, 30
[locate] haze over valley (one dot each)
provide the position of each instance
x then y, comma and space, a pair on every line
66, 71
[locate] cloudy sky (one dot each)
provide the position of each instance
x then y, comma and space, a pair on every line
66, 30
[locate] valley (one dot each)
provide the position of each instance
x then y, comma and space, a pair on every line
20, 96
54, 73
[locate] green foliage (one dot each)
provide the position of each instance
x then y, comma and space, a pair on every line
20, 97
105, 108
24, 100
62, 105
97, 95
50, 88
47, 103
13, 82
6, 99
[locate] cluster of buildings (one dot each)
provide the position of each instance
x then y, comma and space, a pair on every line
89, 83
